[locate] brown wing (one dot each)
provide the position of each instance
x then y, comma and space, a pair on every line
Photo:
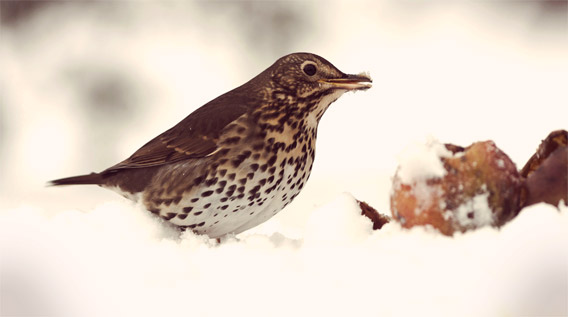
195, 136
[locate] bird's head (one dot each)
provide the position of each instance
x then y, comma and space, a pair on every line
304, 74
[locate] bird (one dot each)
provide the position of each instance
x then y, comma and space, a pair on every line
239, 159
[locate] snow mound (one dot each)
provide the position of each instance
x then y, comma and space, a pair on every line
118, 260
338, 223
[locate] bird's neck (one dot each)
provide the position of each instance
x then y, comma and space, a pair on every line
324, 102
288, 110
292, 121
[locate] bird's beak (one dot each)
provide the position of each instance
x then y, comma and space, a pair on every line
349, 82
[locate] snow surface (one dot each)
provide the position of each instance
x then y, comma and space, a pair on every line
117, 260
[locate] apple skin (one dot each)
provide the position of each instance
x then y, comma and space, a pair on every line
481, 187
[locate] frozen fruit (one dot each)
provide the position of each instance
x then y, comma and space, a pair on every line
546, 172
456, 189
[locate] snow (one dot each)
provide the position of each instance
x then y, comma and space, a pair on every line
479, 206
338, 223
421, 161
117, 260
425, 195
500, 163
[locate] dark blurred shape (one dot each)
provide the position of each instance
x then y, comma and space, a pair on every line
546, 171
112, 99
553, 7
552, 16
15, 11
548, 17
267, 25
106, 93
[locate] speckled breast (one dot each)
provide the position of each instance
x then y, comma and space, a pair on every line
257, 171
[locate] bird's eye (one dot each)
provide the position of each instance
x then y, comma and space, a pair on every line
309, 69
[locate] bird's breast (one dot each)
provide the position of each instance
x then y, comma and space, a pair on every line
257, 170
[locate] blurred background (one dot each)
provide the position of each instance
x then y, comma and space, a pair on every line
85, 84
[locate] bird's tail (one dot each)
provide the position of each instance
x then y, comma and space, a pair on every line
90, 179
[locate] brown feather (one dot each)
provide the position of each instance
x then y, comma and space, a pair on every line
90, 179
193, 137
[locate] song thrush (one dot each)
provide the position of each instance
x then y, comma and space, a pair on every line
239, 159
